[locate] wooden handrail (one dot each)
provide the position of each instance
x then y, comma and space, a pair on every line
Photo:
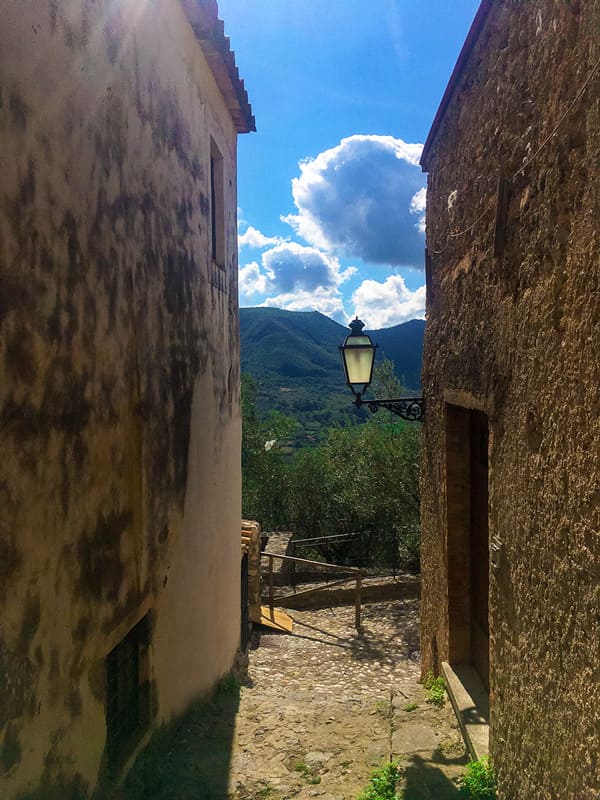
353, 570
313, 563
326, 538
304, 592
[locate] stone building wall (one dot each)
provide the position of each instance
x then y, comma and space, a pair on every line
514, 331
119, 376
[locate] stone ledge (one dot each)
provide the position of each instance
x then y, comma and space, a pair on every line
471, 706
372, 591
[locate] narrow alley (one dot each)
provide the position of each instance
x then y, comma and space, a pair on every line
321, 709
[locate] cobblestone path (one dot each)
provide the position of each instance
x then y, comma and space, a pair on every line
321, 709
326, 706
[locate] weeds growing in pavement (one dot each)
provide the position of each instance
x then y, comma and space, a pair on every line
308, 773
265, 791
479, 782
436, 690
383, 784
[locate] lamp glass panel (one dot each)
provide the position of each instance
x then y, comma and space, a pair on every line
359, 362
359, 356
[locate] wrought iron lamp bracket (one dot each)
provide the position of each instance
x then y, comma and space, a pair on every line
409, 408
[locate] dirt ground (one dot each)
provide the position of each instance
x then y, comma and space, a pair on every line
321, 709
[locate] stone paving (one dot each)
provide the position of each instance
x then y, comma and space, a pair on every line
324, 707
321, 709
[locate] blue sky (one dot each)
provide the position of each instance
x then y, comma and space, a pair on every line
331, 197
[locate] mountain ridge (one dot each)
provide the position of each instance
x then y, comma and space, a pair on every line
294, 359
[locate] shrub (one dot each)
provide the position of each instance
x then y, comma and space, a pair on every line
479, 782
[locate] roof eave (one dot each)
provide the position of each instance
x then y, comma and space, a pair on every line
209, 30
463, 59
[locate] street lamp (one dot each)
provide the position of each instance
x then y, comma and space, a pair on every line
358, 357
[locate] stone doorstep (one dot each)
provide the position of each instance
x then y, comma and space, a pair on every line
471, 705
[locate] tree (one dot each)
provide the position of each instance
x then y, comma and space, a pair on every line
363, 479
265, 483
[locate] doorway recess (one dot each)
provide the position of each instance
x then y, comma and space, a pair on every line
467, 542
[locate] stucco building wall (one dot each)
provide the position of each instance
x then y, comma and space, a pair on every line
119, 376
514, 331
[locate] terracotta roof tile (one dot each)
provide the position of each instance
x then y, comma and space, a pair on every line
209, 30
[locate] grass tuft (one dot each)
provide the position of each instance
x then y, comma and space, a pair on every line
436, 689
308, 773
383, 784
479, 782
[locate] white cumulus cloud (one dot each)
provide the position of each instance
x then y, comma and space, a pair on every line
417, 206
252, 281
327, 302
252, 237
294, 267
359, 200
297, 278
387, 303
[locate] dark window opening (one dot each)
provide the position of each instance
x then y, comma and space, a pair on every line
127, 694
217, 205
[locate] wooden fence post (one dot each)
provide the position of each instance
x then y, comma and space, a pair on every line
271, 585
357, 608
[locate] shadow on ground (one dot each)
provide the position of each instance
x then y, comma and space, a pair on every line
370, 645
403, 630
425, 780
190, 758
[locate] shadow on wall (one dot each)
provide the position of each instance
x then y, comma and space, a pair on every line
423, 779
189, 759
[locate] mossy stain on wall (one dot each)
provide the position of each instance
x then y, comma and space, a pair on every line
30, 622
18, 110
10, 752
19, 679
10, 555
55, 785
13, 295
99, 558
19, 357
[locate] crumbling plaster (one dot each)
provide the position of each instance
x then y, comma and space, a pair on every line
119, 376
518, 335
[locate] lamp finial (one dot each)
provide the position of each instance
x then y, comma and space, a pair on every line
356, 327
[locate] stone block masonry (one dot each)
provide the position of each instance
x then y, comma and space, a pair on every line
513, 333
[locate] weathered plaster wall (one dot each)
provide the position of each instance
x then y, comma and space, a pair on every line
518, 336
118, 360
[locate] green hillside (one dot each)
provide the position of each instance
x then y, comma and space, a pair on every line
293, 357
403, 344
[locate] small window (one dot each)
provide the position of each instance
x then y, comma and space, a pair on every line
217, 206
128, 711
